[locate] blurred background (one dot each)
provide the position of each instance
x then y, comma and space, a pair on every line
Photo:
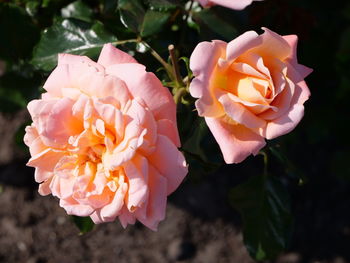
203, 223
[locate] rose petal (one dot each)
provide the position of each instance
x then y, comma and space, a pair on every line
73, 208
148, 87
236, 141
240, 114
285, 123
168, 129
110, 55
273, 46
126, 217
301, 69
137, 173
157, 200
242, 44
169, 162
236, 5
109, 212
202, 63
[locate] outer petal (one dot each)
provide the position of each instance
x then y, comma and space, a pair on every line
167, 128
58, 79
233, 4
203, 62
68, 59
273, 45
286, 123
293, 42
111, 55
236, 141
126, 217
137, 173
59, 124
157, 200
44, 188
73, 208
31, 135
148, 87
242, 44
46, 160
170, 162
41, 175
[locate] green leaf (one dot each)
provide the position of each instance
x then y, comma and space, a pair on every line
135, 17
290, 169
200, 144
19, 135
163, 5
132, 14
216, 23
264, 205
70, 36
110, 6
16, 91
32, 8
85, 224
193, 144
18, 33
186, 60
153, 22
78, 10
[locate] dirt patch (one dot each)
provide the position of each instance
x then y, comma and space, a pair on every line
36, 229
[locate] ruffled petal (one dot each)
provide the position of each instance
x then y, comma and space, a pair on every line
202, 63
156, 205
148, 87
240, 114
236, 141
170, 162
110, 55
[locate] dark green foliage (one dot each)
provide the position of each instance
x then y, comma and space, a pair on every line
140, 20
77, 10
85, 224
263, 203
16, 90
70, 36
215, 23
17, 32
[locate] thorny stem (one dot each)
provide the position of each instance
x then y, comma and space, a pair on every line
153, 53
122, 42
176, 70
179, 94
173, 71
161, 60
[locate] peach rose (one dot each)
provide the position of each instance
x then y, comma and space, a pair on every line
249, 89
233, 4
104, 139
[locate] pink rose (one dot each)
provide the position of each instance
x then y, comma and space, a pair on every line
104, 139
249, 89
233, 4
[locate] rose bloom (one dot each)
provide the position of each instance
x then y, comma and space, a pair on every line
233, 4
104, 139
249, 89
